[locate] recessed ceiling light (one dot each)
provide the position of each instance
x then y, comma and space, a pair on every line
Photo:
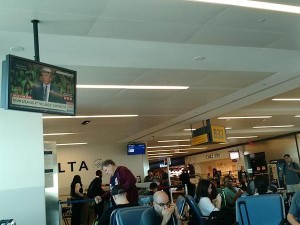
241, 137
71, 144
262, 20
256, 5
95, 116
282, 126
243, 117
53, 134
136, 87
286, 99
16, 49
228, 128
199, 58
174, 140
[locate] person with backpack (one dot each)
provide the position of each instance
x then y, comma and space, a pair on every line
291, 172
95, 189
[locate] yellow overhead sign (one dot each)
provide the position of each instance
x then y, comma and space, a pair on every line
201, 139
218, 134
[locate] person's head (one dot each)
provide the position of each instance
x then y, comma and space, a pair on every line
46, 75
119, 194
203, 189
27, 86
150, 173
160, 201
76, 179
242, 168
228, 181
109, 167
153, 186
261, 184
287, 158
99, 173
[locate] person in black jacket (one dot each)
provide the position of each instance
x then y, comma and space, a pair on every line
95, 189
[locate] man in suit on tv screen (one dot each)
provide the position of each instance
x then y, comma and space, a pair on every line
46, 90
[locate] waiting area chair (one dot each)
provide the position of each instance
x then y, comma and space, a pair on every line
197, 217
180, 203
267, 209
128, 215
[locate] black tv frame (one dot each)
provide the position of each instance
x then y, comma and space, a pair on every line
22, 102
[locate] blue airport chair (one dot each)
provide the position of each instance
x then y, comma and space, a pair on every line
129, 215
180, 203
197, 217
267, 209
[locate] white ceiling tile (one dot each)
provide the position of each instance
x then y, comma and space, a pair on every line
142, 30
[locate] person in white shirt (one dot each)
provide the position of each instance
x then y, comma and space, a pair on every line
203, 193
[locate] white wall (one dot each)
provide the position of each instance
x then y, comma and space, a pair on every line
92, 155
22, 192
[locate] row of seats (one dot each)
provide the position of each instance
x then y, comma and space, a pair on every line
250, 210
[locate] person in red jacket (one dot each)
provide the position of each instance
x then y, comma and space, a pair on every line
120, 175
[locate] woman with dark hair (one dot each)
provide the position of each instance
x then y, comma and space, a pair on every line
203, 193
76, 194
261, 183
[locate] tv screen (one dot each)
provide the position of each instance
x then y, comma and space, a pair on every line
234, 155
38, 87
136, 149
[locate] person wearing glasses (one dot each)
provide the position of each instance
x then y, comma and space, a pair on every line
163, 212
119, 195
45, 90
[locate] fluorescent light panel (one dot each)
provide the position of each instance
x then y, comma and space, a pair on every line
71, 144
93, 116
167, 146
243, 117
282, 126
163, 156
54, 134
174, 140
255, 5
241, 137
189, 129
136, 87
286, 99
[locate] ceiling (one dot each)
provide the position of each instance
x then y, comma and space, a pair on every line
234, 60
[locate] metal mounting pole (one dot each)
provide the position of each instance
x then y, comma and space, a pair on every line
36, 40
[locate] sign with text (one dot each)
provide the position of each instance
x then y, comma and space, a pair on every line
209, 135
218, 134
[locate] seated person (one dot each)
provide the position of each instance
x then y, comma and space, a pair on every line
150, 177
294, 213
203, 193
231, 193
119, 196
152, 188
162, 213
261, 183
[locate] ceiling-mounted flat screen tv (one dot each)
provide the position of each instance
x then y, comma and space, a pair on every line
234, 155
33, 86
136, 149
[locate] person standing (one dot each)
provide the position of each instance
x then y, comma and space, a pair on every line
120, 175
95, 189
76, 193
291, 174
